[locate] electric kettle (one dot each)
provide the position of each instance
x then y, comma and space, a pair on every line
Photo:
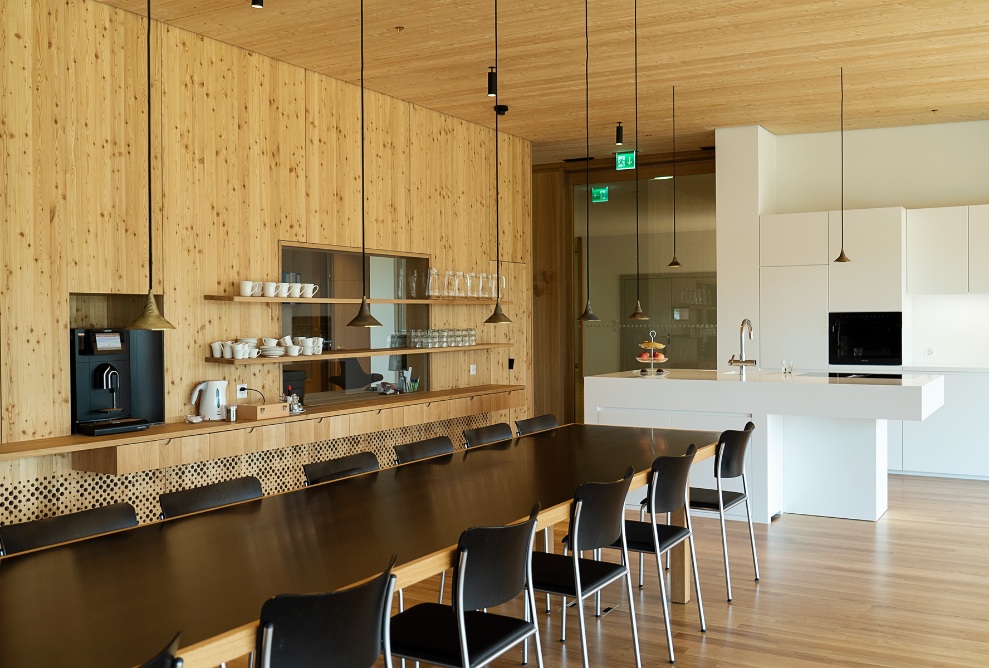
214, 400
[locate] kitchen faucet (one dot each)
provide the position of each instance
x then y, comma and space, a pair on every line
742, 362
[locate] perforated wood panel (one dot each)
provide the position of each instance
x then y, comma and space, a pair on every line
279, 470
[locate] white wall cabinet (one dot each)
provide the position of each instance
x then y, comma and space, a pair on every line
793, 322
978, 248
793, 239
874, 279
937, 251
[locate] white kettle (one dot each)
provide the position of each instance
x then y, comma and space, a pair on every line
213, 404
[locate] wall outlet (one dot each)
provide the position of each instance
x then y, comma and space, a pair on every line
473, 369
241, 390
929, 351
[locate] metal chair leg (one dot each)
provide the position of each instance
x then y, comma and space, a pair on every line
666, 607
442, 584
748, 514
597, 595
583, 634
669, 518
724, 545
693, 563
563, 620
642, 518
631, 615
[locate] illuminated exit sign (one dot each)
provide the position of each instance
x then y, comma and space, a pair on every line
625, 160
599, 194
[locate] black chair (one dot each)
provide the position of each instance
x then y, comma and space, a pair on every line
729, 462
493, 566
32, 535
430, 447
345, 629
493, 433
534, 424
166, 658
176, 504
596, 521
667, 494
343, 467
352, 375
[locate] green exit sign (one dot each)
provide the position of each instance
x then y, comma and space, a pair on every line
599, 194
625, 160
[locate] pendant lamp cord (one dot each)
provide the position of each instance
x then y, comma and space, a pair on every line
150, 196
587, 148
363, 196
635, 50
497, 173
674, 171
841, 79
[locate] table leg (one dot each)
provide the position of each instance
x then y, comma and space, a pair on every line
680, 585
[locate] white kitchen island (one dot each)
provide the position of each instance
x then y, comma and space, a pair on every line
820, 442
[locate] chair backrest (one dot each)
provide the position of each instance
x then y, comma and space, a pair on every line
175, 504
668, 482
493, 564
16, 538
342, 467
597, 516
534, 424
732, 445
500, 431
430, 447
345, 628
166, 658
352, 375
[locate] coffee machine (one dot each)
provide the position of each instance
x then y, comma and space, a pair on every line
118, 380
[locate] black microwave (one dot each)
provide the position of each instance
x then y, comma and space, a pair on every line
865, 338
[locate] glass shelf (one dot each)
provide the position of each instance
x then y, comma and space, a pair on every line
343, 354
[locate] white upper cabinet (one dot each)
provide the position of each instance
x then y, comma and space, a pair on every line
978, 248
937, 251
793, 239
874, 279
793, 322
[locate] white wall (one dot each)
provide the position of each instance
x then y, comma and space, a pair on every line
955, 326
913, 167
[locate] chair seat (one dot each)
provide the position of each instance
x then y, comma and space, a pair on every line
638, 536
703, 498
428, 632
553, 573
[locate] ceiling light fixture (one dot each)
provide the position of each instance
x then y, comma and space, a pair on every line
637, 314
497, 316
588, 315
841, 255
674, 263
151, 318
257, 4
619, 134
363, 317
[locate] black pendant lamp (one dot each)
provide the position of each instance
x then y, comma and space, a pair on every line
637, 314
497, 316
363, 317
151, 318
588, 315
674, 263
841, 255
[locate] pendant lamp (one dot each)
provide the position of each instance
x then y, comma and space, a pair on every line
588, 315
363, 317
497, 316
637, 314
151, 318
841, 255
674, 263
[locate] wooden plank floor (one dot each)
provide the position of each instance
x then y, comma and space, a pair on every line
909, 590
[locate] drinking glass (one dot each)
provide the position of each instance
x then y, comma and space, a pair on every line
433, 282
471, 284
472, 337
458, 284
449, 285
482, 285
413, 284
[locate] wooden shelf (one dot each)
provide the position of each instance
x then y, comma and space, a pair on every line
357, 352
443, 301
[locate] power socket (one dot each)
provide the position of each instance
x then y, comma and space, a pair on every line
241, 390
473, 369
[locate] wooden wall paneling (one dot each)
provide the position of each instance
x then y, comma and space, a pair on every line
515, 161
387, 172
518, 333
34, 376
104, 98
333, 161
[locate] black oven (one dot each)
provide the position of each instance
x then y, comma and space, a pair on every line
865, 338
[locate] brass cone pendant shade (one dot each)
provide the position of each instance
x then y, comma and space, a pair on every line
498, 317
588, 315
842, 257
637, 314
151, 318
674, 263
364, 317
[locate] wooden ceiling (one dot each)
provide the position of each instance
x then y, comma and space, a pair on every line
734, 62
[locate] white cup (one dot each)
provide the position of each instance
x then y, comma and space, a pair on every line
248, 288
217, 348
253, 352
281, 289
240, 350
269, 341
309, 290
307, 349
293, 351
317, 345
285, 341
298, 340
268, 288
295, 290
228, 350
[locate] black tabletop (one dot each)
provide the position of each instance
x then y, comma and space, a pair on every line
115, 600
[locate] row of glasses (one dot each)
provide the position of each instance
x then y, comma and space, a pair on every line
468, 285
442, 338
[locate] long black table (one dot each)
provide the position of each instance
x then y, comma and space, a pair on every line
114, 600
